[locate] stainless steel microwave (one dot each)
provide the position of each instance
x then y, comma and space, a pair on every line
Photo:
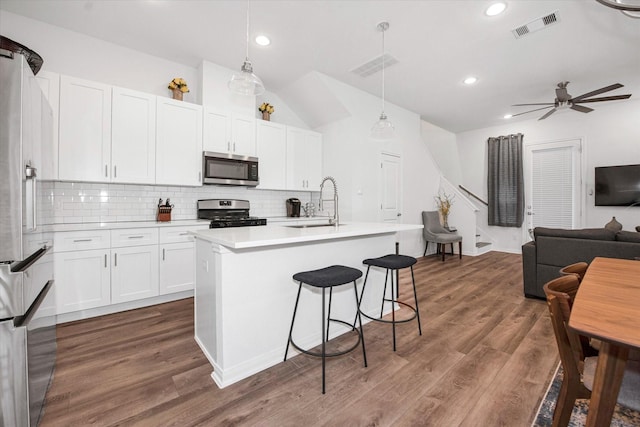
229, 169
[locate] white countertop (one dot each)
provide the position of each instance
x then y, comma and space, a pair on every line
120, 225
271, 235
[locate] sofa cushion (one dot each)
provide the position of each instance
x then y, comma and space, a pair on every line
628, 236
585, 233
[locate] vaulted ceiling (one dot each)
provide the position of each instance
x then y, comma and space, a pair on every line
437, 44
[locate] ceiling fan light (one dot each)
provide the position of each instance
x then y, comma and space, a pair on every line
383, 128
245, 82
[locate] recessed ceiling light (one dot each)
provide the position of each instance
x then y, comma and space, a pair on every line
470, 80
495, 9
508, 116
263, 40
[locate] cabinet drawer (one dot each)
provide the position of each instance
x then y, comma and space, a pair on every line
134, 237
35, 241
179, 234
81, 240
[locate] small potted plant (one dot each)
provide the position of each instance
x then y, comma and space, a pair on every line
178, 87
266, 109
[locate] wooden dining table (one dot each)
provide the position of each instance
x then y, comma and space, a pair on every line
607, 307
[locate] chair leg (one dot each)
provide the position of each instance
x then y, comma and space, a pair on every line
293, 319
324, 349
359, 301
460, 248
329, 315
415, 296
364, 352
384, 291
569, 392
426, 246
393, 311
443, 250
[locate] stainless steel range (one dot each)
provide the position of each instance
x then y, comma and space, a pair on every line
227, 213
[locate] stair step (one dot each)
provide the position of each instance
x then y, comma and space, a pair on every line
482, 244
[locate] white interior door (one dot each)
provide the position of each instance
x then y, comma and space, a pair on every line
391, 185
553, 173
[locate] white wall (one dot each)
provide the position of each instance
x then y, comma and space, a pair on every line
610, 135
443, 147
353, 158
74, 54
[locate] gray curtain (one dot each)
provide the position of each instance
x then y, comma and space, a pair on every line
505, 182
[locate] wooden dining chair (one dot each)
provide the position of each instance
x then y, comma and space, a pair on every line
579, 268
578, 368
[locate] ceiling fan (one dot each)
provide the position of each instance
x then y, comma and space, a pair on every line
564, 100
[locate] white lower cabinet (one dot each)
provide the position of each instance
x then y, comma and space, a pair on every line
98, 268
177, 268
134, 273
82, 280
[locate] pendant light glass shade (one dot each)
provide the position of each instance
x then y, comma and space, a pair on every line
383, 128
245, 82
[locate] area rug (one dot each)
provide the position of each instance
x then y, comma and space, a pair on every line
622, 416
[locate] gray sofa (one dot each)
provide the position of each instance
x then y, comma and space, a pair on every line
554, 248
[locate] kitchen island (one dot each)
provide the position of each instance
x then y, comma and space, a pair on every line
244, 294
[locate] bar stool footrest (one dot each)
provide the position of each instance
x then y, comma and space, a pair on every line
378, 319
333, 354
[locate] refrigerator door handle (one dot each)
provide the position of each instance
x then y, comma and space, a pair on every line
21, 266
32, 175
26, 318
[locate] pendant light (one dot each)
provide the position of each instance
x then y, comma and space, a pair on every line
383, 128
245, 82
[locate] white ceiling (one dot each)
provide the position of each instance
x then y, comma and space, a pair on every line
437, 43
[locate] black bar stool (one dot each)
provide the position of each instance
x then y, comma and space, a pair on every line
392, 263
324, 278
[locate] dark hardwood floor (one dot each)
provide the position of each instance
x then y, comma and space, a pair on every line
485, 358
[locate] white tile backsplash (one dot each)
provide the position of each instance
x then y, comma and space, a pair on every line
81, 202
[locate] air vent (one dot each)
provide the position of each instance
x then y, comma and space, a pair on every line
375, 65
536, 25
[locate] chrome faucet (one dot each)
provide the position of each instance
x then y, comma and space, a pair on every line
336, 219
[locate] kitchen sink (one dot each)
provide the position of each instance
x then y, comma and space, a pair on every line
311, 225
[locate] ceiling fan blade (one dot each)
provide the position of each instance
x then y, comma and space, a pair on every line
604, 98
598, 91
548, 114
581, 108
526, 105
531, 111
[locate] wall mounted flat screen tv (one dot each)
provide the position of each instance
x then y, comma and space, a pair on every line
618, 185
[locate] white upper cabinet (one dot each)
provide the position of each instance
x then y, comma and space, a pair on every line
85, 130
50, 84
229, 133
304, 159
178, 143
133, 137
272, 155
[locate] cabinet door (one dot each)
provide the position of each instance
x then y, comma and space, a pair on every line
133, 137
243, 135
85, 130
304, 159
134, 274
313, 151
50, 84
216, 132
178, 143
177, 267
272, 154
82, 280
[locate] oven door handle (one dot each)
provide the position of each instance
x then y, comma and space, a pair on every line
26, 318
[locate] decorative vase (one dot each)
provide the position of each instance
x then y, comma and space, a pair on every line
445, 220
177, 94
266, 116
613, 225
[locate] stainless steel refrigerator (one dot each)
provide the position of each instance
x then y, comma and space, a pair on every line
27, 333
